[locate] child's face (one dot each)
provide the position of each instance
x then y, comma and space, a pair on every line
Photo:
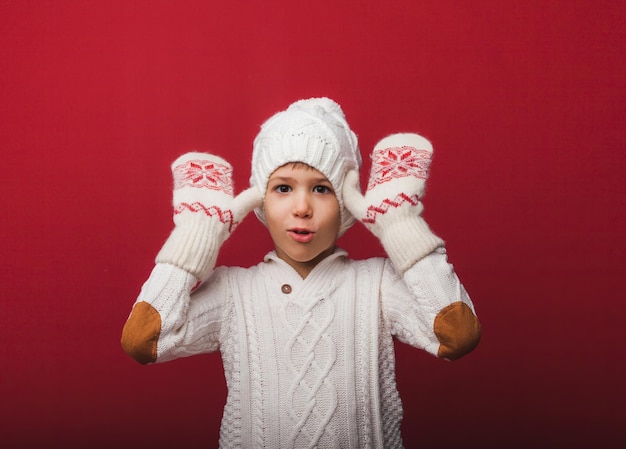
302, 216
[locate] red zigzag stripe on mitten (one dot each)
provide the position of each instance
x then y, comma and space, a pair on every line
374, 211
225, 216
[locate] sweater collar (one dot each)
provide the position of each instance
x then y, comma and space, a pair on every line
325, 270
339, 252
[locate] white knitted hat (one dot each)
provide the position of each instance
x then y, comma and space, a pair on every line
312, 131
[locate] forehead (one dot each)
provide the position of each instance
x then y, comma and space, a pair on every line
299, 170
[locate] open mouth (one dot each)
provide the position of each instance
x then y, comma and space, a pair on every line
301, 235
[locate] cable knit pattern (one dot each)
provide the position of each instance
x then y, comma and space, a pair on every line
310, 357
251, 322
230, 431
311, 365
389, 397
364, 354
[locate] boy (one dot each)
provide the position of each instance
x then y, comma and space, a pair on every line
306, 336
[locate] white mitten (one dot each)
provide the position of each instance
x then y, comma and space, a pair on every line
205, 212
391, 208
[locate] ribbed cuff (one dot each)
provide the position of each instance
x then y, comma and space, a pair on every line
408, 240
193, 246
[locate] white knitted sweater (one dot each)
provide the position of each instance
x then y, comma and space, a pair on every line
308, 362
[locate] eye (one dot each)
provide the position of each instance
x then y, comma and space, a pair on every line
282, 188
322, 189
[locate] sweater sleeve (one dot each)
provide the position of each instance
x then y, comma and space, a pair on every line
168, 321
428, 307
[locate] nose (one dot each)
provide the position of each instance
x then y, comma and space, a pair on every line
302, 205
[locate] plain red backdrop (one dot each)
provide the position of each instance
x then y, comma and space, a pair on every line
525, 105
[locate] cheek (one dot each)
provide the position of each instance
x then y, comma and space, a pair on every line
336, 210
274, 209
333, 219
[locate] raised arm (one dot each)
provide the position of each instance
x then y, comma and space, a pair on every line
422, 297
165, 323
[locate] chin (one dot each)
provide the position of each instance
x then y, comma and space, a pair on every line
303, 258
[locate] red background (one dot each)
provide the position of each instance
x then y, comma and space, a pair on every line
525, 105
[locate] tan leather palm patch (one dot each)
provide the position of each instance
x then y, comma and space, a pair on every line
141, 333
457, 330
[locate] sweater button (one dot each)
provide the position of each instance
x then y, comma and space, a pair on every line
286, 289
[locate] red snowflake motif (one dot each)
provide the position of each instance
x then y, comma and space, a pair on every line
398, 162
204, 174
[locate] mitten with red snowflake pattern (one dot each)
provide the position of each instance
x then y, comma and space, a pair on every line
391, 207
205, 212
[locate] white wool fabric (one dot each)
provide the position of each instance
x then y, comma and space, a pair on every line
311, 365
313, 131
391, 207
205, 212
